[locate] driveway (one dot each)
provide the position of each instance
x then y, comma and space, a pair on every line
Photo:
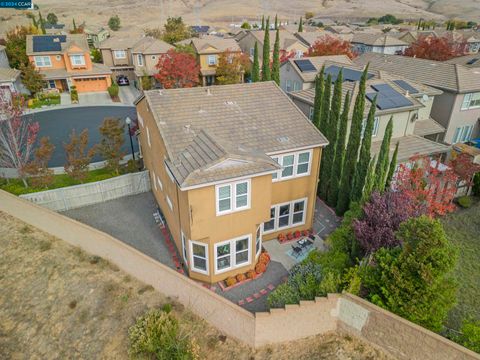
128, 94
94, 98
129, 219
57, 124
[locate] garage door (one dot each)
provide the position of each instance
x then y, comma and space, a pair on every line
91, 84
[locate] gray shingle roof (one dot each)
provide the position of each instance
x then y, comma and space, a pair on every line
442, 75
8, 75
287, 39
223, 132
377, 39
150, 45
220, 44
427, 127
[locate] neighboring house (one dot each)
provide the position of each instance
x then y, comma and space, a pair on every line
231, 166
132, 56
288, 43
64, 61
55, 29
470, 61
200, 30
363, 42
310, 38
412, 123
208, 50
299, 74
339, 29
458, 108
9, 78
145, 54
413, 35
96, 35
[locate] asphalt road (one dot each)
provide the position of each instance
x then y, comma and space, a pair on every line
58, 124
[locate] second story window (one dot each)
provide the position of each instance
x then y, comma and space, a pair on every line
212, 59
140, 60
119, 54
293, 165
42, 61
77, 60
232, 197
471, 101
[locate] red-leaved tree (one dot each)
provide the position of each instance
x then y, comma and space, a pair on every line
465, 169
435, 48
177, 70
285, 55
329, 45
382, 216
17, 134
428, 184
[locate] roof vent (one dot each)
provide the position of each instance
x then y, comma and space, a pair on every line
283, 139
229, 102
56, 40
160, 92
186, 128
208, 91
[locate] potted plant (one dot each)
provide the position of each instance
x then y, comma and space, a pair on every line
281, 238
289, 236
230, 281
251, 274
241, 277
297, 234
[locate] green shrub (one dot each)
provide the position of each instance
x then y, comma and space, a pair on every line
282, 295
113, 90
470, 335
476, 184
330, 284
465, 201
157, 335
74, 94
352, 281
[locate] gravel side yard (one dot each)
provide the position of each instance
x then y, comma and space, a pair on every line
58, 302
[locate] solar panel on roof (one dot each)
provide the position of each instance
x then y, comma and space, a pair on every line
384, 89
388, 97
305, 65
48, 43
348, 74
473, 61
406, 86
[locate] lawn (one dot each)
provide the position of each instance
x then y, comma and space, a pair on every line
58, 302
463, 229
16, 187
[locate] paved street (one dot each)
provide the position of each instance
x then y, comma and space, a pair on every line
57, 124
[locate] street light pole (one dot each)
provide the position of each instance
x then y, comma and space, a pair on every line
128, 121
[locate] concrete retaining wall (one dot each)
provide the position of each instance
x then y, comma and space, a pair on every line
345, 312
72, 197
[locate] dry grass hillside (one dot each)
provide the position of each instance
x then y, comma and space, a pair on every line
57, 302
150, 13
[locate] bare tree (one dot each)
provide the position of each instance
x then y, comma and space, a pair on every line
77, 155
17, 134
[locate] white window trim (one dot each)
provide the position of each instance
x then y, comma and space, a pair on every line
42, 61
376, 126
117, 52
467, 99
233, 253
233, 195
259, 230
159, 183
80, 56
184, 247
295, 165
140, 60
169, 202
193, 268
148, 137
209, 60
276, 226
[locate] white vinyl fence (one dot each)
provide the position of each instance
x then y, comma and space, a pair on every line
92, 193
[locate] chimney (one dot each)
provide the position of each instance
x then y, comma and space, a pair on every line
208, 91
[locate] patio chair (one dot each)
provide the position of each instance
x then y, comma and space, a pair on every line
296, 251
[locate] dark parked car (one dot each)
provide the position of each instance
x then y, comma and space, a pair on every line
122, 80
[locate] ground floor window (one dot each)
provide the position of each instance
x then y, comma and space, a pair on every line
463, 133
199, 257
232, 253
286, 215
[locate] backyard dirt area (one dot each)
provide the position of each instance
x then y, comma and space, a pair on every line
58, 302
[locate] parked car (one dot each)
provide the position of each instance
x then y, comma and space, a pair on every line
122, 80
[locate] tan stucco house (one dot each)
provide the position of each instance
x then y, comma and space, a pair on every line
133, 56
208, 49
413, 127
231, 166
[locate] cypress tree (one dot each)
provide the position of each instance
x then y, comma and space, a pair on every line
255, 66
300, 25
34, 21
276, 59
41, 23
381, 169
351, 154
339, 154
392, 167
331, 131
74, 25
266, 76
370, 181
263, 23
364, 159
325, 109
317, 104
276, 22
